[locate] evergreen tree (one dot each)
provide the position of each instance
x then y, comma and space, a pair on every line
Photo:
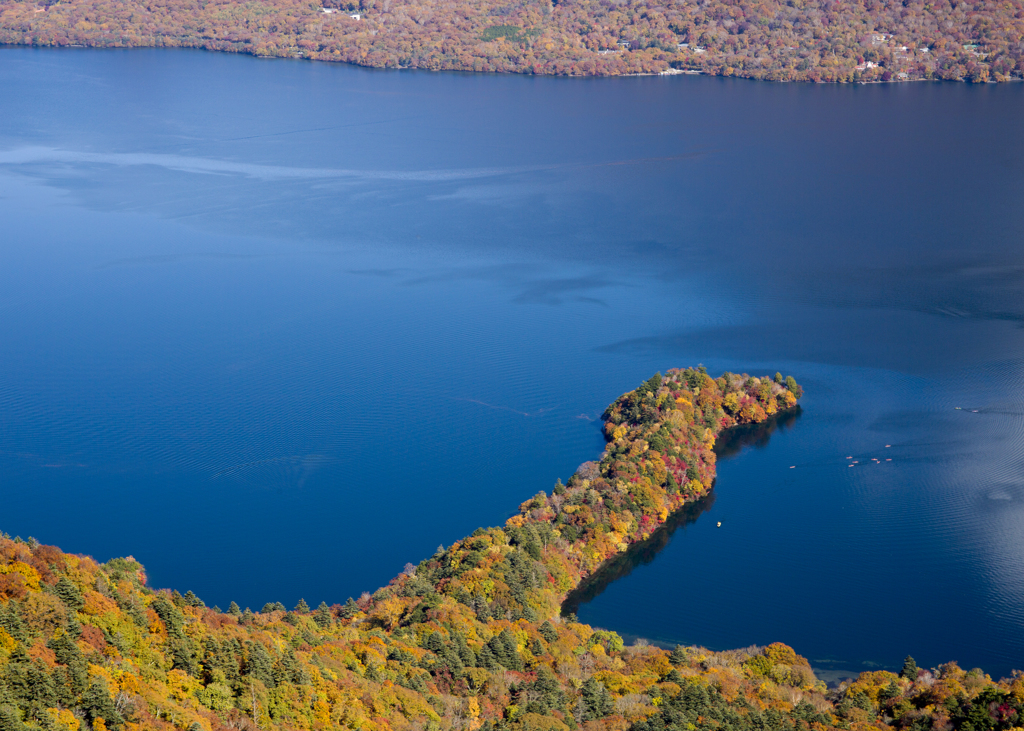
350, 609
169, 615
597, 701
10, 719
434, 643
27, 684
503, 647
68, 654
548, 688
234, 609
302, 607
289, 670
68, 593
11, 621
674, 676
192, 600
41, 691
97, 703
548, 631
483, 610
73, 627
322, 616
889, 692
485, 659
182, 652
466, 654
910, 669
671, 483
64, 687
259, 664
678, 656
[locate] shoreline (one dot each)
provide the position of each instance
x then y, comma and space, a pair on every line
589, 65
471, 639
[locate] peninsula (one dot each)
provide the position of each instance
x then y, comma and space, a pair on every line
471, 638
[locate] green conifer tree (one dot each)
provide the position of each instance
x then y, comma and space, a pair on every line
259, 664
97, 703
68, 593
910, 669
678, 656
597, 701
322, 616
350, 609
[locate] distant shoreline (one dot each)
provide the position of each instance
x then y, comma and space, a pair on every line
933, 43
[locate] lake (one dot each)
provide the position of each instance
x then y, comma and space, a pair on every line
277, 328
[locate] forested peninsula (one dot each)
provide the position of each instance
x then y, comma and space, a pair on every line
778, 40
471, 638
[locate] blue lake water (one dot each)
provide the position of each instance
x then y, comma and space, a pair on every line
276, 328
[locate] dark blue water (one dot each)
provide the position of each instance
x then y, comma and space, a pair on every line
276, 328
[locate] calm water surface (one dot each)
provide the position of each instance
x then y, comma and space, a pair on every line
276, 328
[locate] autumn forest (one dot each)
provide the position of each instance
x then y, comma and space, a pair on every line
470, 638
779, 40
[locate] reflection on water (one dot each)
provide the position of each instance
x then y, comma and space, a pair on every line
729, 443
732, 441
639, 554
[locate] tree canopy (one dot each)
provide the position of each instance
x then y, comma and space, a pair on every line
781, 40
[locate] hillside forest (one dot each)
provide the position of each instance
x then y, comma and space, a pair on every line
778, 40
472, 638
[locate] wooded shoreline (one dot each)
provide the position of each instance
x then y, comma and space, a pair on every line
773, 40
471, 638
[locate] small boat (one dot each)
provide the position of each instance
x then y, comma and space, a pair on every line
719, 524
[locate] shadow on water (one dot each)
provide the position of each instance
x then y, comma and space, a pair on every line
730, 443
622, 565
